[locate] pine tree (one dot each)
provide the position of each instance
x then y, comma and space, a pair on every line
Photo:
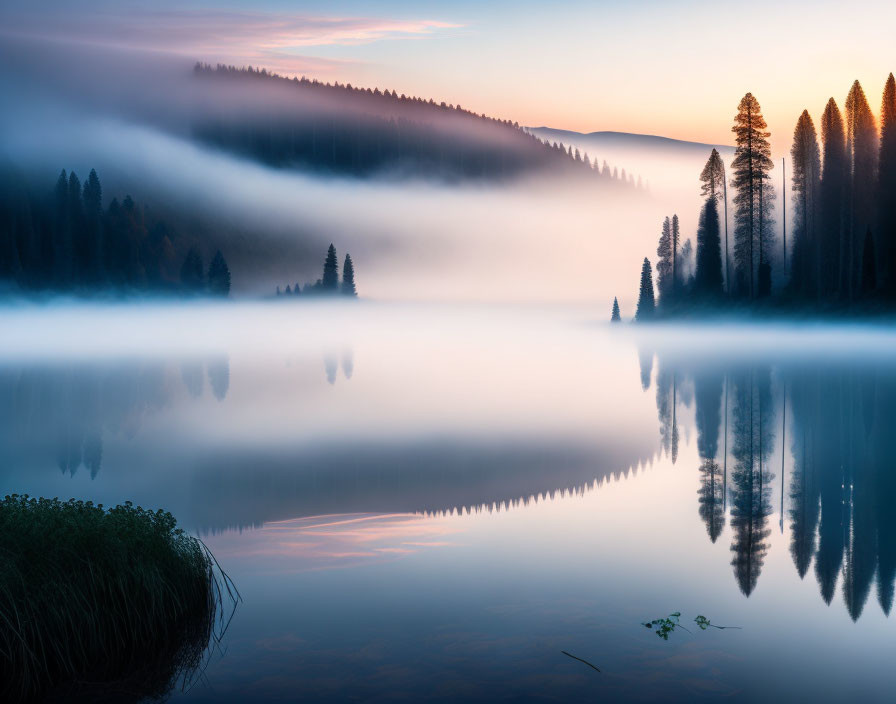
664, 263
715, 186
708, 278
348, 278
646, 304
92, 256
886, 188
191, 274
805, 263
78, 254
614, 316
330, 280
219, 276
833, 198
752, 213
676, 269
861, 152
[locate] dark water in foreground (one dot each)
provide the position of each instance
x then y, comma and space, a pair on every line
423, 503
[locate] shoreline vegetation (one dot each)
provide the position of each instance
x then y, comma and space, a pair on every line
841, 258
104, 604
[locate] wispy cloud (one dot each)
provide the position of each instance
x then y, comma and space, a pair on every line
276, 41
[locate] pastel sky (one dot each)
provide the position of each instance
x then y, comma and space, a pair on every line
672, 68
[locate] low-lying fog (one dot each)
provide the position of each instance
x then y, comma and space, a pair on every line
127, 115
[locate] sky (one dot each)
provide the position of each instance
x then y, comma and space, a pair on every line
676, 69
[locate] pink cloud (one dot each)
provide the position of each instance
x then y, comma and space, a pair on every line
270, 40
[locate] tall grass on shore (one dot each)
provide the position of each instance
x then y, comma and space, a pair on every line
103, 604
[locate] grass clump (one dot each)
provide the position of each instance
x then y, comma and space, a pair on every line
102, 603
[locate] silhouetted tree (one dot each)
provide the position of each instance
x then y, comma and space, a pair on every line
708, 278
646, 304
752, 215
219, 276
861, 151
886, 188
713, 176
614, 316
805, 264
191, 274
348, 278
330, 280
833, 198
92, 245
664, 265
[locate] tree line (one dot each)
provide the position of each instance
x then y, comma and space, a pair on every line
65, 242
347, 130
842, 251
329, 284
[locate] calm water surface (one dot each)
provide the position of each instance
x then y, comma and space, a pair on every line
431, 503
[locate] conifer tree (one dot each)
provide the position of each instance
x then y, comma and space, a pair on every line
708, 278
646, 303
664, 263
219, 276
92, 196
348, 278
676, 269
861, 151
614, 316
805, 263
715, 186
330, 280
833, 198
752, 213
886, 189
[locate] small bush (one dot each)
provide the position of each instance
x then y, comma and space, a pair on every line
102, 604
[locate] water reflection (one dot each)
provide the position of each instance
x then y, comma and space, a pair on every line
829, 421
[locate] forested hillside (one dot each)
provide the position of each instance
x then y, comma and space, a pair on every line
349, 131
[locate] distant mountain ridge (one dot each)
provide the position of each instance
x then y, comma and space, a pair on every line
628, 140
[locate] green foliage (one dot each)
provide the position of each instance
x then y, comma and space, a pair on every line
664, 626
97, 595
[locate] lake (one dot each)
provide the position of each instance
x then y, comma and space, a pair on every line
432, 502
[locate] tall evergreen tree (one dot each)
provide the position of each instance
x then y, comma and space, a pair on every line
62, 241
715, 186
752, 215
76, 229
92, 197
219, 276
664, 263
886, 188
614, 316
676, 268
833, 198
861, 151
330, 280
806, 157
708, 278
348, 278
646, 303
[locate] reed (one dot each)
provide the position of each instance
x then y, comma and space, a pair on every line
117, 604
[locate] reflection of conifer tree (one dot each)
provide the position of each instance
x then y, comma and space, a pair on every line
708, 399
331, 366
804, 492
860, 550
93, 453
645, 359
711, 498
882, 449
665, 405
192, 375
348, 363
219, 377
750, 501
